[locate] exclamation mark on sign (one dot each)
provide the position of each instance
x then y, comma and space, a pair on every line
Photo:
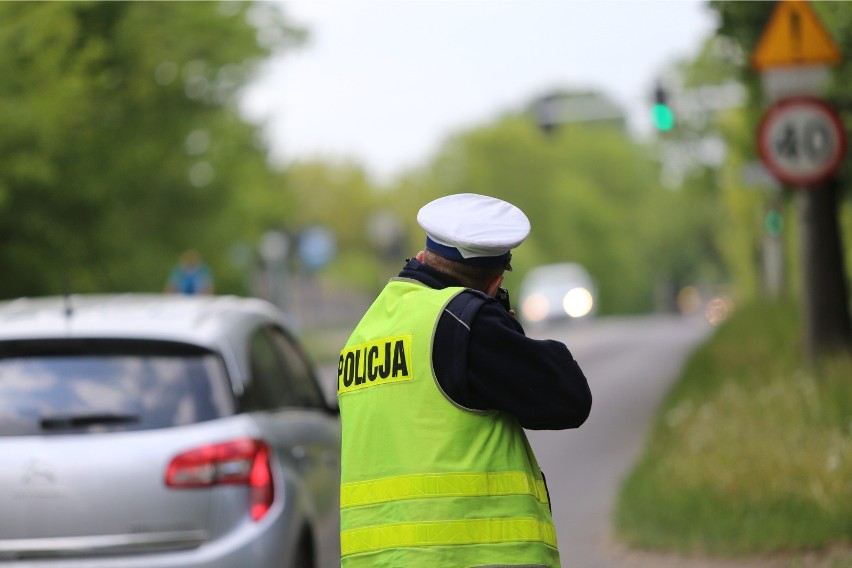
796, 33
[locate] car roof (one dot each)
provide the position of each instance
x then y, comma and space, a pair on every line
209, 321
556, 274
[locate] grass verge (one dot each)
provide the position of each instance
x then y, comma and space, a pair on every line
751, 451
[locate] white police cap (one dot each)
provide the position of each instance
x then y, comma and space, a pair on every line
472, 228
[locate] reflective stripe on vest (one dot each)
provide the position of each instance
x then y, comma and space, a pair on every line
476, 531
441, 485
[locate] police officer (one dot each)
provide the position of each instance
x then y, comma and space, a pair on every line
435, 386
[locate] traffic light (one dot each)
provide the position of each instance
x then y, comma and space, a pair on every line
661, 112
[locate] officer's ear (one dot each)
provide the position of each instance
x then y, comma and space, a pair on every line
493, 284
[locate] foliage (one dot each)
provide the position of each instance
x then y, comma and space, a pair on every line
593, 195
121, 146
749, 453
340, 196
746, 203
121, 142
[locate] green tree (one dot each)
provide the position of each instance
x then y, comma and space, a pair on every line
731, 208
121, 143
593, 195
341, 197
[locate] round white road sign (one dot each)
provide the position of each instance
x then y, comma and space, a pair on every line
801, 141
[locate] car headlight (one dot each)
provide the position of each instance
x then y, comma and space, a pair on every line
577, 302
535, 307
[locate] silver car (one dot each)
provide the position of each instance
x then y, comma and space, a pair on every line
559, 292
162, 431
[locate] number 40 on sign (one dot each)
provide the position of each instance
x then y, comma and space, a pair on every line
801, 141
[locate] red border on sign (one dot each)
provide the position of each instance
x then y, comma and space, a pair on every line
819, 176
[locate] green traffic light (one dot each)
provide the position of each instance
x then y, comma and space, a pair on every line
663, 117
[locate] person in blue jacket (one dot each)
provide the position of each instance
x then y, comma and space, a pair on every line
191, 276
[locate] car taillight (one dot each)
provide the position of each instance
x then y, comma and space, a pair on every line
239, 462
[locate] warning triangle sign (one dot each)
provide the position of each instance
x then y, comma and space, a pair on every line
793, 37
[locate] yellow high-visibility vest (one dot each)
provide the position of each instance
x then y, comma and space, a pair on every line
424, 482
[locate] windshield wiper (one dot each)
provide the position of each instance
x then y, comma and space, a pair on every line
68, 421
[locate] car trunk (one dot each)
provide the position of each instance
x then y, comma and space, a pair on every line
80, 495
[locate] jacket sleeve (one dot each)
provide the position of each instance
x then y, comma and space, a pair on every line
537, 381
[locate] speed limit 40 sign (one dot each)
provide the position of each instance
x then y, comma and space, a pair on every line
801, 141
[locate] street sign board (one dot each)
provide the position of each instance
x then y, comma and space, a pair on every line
794, 37
317, 247
801, 140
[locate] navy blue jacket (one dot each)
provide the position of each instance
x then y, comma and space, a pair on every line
483, 360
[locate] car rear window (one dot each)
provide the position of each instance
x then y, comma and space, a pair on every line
80, 386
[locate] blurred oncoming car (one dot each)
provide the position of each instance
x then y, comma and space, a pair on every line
162, 431
557, 292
